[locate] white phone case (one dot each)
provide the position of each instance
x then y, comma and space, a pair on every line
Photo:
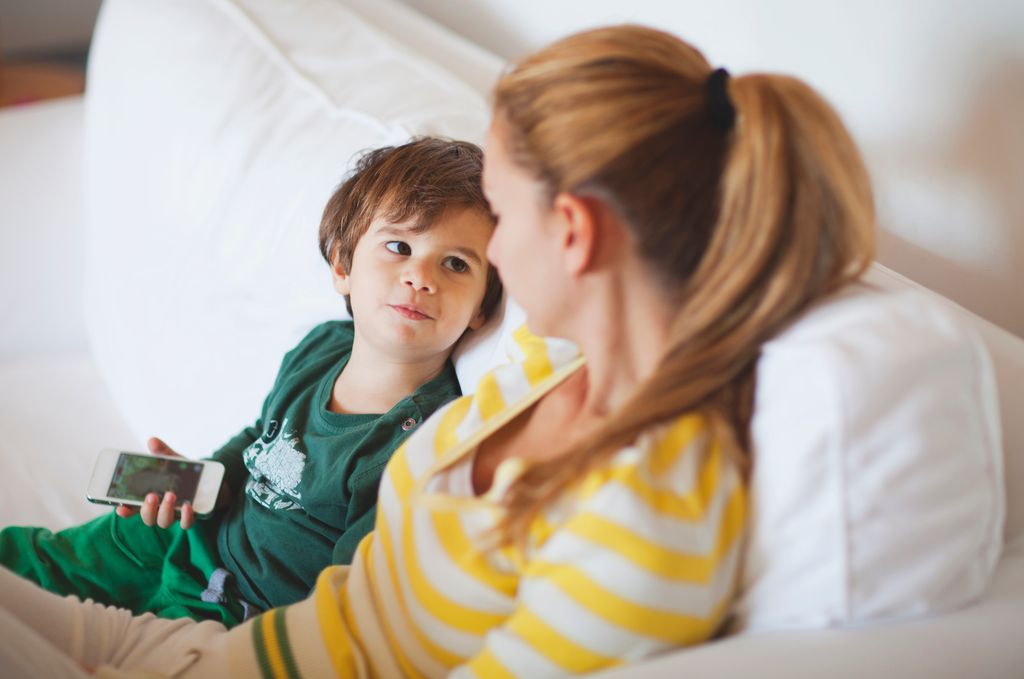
124, 477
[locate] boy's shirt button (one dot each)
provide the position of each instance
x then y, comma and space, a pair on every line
408, 424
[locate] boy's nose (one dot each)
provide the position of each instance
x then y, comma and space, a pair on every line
419, 279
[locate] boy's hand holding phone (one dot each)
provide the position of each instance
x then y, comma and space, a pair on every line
140, 484
157, 510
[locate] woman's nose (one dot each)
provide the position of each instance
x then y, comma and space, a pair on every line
492, 251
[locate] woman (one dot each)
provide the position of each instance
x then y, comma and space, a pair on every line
573, 514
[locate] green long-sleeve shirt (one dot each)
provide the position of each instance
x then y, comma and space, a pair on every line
304, 479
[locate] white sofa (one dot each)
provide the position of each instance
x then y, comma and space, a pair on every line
62, 398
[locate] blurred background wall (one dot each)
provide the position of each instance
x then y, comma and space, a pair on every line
933, 90
43, 48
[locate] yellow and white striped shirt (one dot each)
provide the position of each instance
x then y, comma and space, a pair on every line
642, 556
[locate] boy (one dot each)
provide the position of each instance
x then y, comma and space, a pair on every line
405, 236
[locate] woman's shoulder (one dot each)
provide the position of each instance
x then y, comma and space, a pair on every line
675, 458
669, 510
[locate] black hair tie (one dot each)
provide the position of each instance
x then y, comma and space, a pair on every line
723, 113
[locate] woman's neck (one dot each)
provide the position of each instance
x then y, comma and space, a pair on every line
623, 336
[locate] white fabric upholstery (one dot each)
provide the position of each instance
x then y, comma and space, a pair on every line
877, 489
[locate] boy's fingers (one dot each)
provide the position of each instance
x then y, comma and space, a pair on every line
188, 515
158, 447
149, 508
125, 511
165, 515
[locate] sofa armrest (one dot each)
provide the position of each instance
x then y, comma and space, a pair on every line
42, 239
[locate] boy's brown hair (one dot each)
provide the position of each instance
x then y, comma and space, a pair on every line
419, 180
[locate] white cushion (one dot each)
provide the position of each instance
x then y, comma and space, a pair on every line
877, 490
1007, 352
466, 60
216, 131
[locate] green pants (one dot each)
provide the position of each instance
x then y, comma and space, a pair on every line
172, 573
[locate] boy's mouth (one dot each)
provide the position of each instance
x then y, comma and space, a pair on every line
411, 312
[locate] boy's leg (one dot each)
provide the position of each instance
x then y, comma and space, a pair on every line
194, 585
123, 562
110, 559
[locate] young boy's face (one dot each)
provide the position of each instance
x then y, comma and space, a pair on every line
414, 294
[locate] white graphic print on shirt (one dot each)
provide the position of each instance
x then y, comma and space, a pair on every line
275, 466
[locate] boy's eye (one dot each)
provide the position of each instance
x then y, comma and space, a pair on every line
456, 264
398, 247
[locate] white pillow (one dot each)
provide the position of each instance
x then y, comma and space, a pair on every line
216, 130
466, 60
877, 490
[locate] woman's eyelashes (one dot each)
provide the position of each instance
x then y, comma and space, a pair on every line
453, 263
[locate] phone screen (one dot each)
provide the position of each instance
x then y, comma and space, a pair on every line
136, 475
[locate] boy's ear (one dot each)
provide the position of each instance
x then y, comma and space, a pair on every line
341, 278
478, 320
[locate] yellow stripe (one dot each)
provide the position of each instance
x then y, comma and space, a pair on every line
555, 646
487, 666
537, 364
667, 501
445, 438
489, 399
396, 649
643, 620
541, 529
441, 655
272, 647
474, 438
674, 443
662, 561
468, 556
399, 474
449, 612
328, 614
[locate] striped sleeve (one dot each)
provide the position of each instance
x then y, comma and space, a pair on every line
644, 561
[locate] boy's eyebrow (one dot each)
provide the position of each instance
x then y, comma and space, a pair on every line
394, 230
404, 231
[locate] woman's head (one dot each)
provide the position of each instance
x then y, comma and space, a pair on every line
746, 199
629, 116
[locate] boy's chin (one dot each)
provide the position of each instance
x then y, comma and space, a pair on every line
414, 347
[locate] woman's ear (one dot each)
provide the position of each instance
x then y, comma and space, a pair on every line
576, 221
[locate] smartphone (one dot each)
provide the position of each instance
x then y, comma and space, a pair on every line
124, 478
